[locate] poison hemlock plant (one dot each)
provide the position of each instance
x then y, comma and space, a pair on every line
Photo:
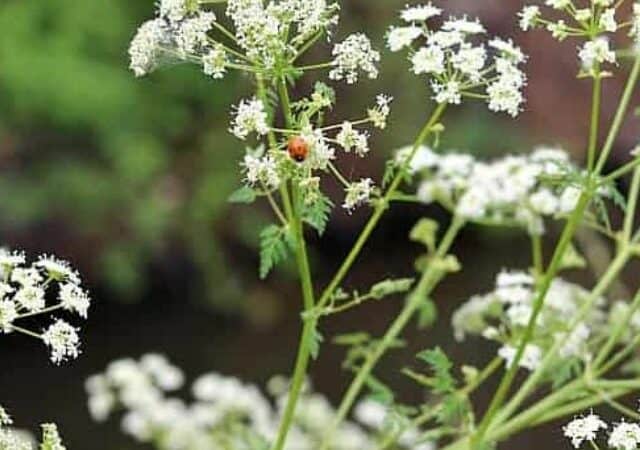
567, 341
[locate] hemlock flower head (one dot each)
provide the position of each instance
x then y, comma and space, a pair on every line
222, 404
250, 117
63, 341
625, 436
596, 52
530, 360
358, 193
26, 293
458, 64
420, 13
583, 429
353, 55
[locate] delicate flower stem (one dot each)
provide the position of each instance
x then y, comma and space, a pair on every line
543, 289
304, 348
595, 120
378, 212
430, 278
537, 254
620, 115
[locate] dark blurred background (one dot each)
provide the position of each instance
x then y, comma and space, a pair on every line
128, 179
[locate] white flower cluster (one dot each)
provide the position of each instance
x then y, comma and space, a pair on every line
594, 23
515, 190
11, 439
23, 294
264, 35
503, 314
224, 410
456, 65
308, 150
585, 429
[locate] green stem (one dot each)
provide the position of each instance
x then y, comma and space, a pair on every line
537, 254
632, 205
532, 381
430, 278
304, 347
378, 211
620, 115
595, 121
545, 285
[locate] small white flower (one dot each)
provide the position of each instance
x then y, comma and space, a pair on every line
528, 17
358, 193
530, 360
349, 138
147, 45
320, 152
544, 202
625, 436
464, 25
470, 61
250, 116
167, 376
509, 50
505, 96
192, 33
401, 37
429, 59
9, 260
26, 276
420, 13
380, 113
596, 51
51, 439
371, 414
8, 314
558, 4
30, 298
584, 429
583, 15
73, 298
261, 171
608, 20
62, 340
57, 269
5, 419
446, 39
215, 62
448, 92
174, 10
355, 53
559, 30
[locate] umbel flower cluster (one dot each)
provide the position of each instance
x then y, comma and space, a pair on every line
586, 431
595, 21
515, 190
503, 314
225, 412
457, 61
24, 292
11, 439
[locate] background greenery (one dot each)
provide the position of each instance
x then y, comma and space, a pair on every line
129, 179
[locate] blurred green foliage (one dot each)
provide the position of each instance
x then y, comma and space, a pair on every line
130, 166
134, 174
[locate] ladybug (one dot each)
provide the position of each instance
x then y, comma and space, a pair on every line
298, 148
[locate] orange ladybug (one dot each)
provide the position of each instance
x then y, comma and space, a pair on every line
298, 148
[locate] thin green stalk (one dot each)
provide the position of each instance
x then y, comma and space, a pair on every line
378, 211
622, 171
430, 278
529, 385
545, 285
620, 115
595, 121
304, 347
632, 206
617, 332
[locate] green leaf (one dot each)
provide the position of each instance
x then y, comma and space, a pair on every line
243, 195
425, 232
440, 365
351, 339
316, 340
318, 213
274, 245
389, 287
454, 409
380, 392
